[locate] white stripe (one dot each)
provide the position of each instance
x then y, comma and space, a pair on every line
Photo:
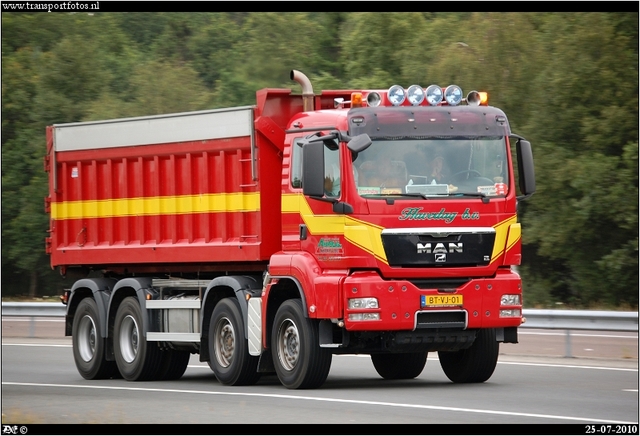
331, 400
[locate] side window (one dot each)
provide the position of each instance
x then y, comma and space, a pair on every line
296, 165
331, 172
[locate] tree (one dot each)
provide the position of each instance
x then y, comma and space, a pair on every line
583, 219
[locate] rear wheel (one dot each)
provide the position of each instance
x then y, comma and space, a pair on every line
137, 359
230, 359
475, 364
88, 345
300, 362
399, 366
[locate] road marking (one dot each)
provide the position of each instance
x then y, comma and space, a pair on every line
39, 345
553, 365
7, 319
329, 400
584, 335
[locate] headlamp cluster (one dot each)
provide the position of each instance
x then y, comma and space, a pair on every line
434, 95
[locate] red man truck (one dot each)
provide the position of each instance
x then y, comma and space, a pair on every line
267, 238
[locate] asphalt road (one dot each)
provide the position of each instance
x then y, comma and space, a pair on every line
40, 385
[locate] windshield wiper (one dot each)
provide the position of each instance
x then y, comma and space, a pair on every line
485, 198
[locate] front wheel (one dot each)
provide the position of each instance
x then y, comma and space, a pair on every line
300, 362
399, 366
88, 345
230, 359
475, 364
137, 359
174, 364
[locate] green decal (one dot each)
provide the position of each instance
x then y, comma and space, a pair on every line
470, 216
415, 213
329, 249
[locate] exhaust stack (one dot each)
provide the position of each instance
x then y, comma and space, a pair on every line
307, 89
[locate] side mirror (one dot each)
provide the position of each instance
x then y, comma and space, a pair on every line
313, 169
526, 173
359, 143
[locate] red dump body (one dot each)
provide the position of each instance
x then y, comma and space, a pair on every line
193, 175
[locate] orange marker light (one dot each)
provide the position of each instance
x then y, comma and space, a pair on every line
356, 99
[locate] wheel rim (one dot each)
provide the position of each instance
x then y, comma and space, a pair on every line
129, 339
225, 342
288, 345
87, 338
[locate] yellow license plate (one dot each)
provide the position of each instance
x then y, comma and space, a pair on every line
440, 300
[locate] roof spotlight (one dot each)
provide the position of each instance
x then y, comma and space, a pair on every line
453, 95
396, 95
415, 95
434, 95
374, 99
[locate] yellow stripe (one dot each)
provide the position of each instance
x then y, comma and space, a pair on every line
502, 230
182, 204
515, 232
360, 233
368, 237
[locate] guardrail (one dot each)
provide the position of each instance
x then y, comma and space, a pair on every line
567, 320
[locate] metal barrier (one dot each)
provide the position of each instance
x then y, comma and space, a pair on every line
567, 320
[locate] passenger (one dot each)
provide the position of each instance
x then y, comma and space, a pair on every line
383, 172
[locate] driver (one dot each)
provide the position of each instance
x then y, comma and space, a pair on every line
437, 173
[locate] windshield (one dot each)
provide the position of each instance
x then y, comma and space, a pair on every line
433, 167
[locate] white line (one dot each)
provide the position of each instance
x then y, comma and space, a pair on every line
629, 390
31, 320
330, 400
551, 365
39, 345
585, 335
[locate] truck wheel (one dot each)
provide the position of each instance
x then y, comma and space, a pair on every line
230, 359
475, 364
300, 362
137, 359
399, 366
88, 345
174, 364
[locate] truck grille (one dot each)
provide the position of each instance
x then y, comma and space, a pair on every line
438, 246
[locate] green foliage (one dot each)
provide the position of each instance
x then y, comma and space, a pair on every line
567, 81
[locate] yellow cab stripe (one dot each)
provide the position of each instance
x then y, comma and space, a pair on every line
367, 236
502, 230
181, 204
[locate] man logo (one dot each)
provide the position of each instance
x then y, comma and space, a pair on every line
439, 248
441, 257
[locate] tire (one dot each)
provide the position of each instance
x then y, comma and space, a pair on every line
475, 364
399, 366
230, 359
299, 361
137, 359
88, 345
174, 364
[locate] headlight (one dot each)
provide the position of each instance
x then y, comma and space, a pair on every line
363, 303
415, 95
510, 300
396, 95
434, 95
453, 95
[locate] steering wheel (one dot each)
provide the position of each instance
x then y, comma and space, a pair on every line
470, 172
